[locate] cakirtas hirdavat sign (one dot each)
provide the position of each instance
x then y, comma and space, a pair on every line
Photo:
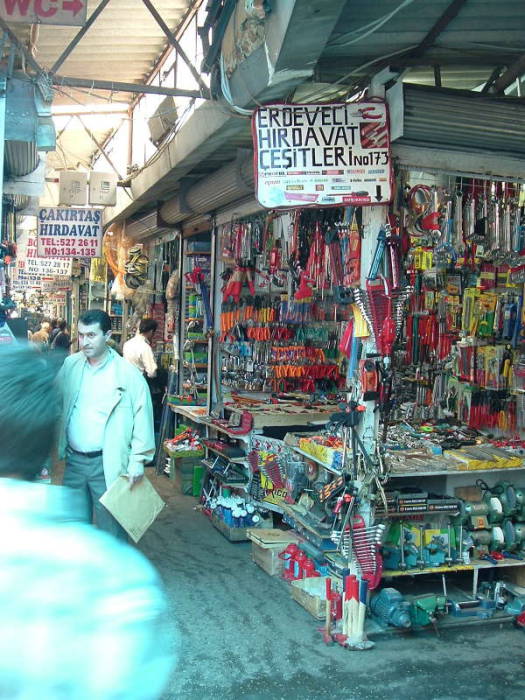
66, 232
322, 154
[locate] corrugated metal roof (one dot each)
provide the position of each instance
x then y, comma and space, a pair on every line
124, 44
485, 33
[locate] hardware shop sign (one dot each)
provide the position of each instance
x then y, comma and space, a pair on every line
65, 232
30, 269
322, 155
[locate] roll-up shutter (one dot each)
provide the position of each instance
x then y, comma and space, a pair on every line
226, 185
457, 130
465, 121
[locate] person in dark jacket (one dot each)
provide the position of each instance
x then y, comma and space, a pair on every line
62, 340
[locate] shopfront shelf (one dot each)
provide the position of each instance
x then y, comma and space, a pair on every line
449, 472
395, 514
474, 564
223, 478
235, 460
269, 506
316, 460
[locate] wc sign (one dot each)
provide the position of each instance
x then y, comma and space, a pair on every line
68, 12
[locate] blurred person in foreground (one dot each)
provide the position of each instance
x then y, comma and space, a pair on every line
83, 614
107, 419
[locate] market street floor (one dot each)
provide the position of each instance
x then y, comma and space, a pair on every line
241, 635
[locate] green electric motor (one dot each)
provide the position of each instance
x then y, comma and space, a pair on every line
425, 609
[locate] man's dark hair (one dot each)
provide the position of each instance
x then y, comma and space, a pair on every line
148, 324
62, 325
92, 316
28, 410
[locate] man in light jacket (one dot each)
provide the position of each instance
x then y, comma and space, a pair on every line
107, 420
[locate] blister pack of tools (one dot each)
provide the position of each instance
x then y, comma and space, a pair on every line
281, 319
463, 336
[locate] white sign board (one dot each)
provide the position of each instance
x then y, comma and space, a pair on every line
322, 155
69, 12
30, 269
72, 188
66, 232
103, 188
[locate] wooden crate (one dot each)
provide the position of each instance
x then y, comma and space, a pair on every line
311, 594
268, 558
234, 534
516, 575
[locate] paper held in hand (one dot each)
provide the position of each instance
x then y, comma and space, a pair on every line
135, 509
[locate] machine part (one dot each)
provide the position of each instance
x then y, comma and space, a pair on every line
481, 538
472, 608
520, 503
497, 539
425, 609
481, 508
516, 606
459, 546
402, 563
520, 532
509, 532
448, 559
507, 496
390, 608
421, 559
495, 514
491, 497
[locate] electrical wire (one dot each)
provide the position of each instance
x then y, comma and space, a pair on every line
362, 67
225, 87
368, 29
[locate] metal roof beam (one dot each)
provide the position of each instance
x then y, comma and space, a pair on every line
441, 24
73, 43
15, 42
180, 51
102, 150
516, 70
492, 79
114, 86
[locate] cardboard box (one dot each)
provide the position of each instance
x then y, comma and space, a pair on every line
311, 594
135, 509
468, 493
268, 558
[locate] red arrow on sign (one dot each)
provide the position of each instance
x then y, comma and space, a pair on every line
73, 5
